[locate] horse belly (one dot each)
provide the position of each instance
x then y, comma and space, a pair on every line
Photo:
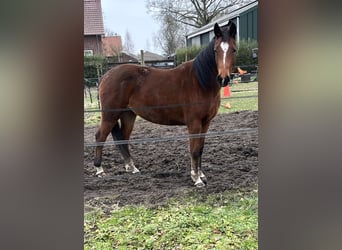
160, 115
159, 100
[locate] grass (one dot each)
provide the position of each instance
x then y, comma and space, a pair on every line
246, 97
237, 104
91, 118
221, 221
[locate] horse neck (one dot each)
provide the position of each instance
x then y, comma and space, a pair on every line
205, 68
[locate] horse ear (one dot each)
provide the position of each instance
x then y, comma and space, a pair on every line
217, 31
232, 29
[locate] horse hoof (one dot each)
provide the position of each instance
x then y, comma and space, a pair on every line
100, 175
131, 168
199, 185
205, 181
135, 170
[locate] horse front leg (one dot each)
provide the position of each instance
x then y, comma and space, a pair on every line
196, 151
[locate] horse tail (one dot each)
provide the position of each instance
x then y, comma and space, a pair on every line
118, 136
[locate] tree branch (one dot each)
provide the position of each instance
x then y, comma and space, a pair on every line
194, 13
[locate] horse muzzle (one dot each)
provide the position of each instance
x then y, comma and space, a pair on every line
223, 82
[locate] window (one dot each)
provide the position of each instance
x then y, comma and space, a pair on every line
88, 52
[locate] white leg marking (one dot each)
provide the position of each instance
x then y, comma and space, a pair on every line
99, 171
135, 170
131, 168
193, 176
127, 167
198, 178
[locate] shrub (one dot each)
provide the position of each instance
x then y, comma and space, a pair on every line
244, 55
186, 54
94, 66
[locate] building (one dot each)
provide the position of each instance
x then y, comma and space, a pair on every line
150, 56
112, 46
157, 61
245, 18
93, 28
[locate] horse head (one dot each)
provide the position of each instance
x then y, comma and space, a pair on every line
225, 52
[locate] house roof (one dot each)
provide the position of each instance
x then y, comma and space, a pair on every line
112, 45
131, 56
149, 56
222, 20
93, 21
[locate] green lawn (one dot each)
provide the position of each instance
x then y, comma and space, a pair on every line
222, 221
246, 98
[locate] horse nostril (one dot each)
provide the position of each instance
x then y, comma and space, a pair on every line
219, 79
222, 81
225, 82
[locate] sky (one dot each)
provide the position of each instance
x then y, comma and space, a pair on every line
120, 16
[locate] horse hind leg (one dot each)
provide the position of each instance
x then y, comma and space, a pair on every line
101, 136
122, 133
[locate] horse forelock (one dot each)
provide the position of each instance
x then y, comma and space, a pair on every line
205, 66
225, 35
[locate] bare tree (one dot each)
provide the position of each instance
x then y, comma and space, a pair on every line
128, 44
147, 45
170, 36
195, 13
115, 51
109, 32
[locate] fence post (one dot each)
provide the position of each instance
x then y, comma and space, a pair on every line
98, 81
142, 57
89, 91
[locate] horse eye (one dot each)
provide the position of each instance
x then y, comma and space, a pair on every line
234, 50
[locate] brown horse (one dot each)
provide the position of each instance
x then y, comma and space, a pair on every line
167, 96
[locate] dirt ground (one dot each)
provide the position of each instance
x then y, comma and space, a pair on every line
230, 162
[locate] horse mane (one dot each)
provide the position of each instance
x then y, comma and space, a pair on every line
205, 66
